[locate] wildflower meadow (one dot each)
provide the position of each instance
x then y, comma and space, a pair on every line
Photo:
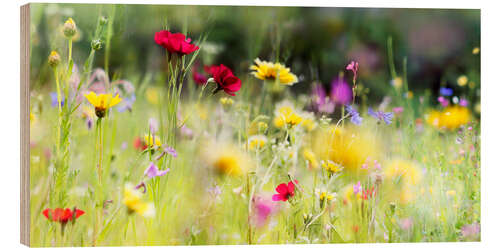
202, 125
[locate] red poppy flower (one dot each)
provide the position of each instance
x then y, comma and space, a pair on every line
285, 191
139, 144
62, 215
225, 79
175, 42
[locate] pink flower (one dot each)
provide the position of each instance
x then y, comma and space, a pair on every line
285, 191
353, 66
153, 171
463, 102
398, 110
263, 209
444, 102
357, 188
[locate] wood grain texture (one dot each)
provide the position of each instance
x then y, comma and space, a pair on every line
25, 124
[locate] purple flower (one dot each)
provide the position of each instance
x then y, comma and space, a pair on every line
444, 102
53, 97
153, 171
341, 92
355, 118
381, 116
171, 151
446, 91
126, 104
463, 102
167, 150
153, 125
141, 185
321, 102
357, 188
471, 231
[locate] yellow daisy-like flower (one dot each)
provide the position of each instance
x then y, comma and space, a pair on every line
152, 141
331, 166
257, 127
132, 198
257, 142
102, 102
227, 159
264, 70
286, 116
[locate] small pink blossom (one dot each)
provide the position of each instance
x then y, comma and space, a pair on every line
357, 188
353, 66
398, 110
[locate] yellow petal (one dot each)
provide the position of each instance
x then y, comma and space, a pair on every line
115, 100
92, 98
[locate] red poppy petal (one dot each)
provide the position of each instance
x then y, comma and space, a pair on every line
291, 188
282, 188
79, 213
46, 213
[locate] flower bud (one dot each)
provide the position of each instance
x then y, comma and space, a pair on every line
69, 28
54, 59
96, 44
103, 20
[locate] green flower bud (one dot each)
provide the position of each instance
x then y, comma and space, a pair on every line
54, 59
96, 44
69, 28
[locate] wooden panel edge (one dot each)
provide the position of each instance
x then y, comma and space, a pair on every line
25, 124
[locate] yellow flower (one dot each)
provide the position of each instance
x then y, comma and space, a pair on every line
132, 198
348, 147
257, 127
226, 101
310, 158
397, 82
227, 159
285, 116
331, 166
450, 118
102, 102
475, 51
269, 71
402, 172
454, 117
433, 118
462, 80
152, 141
256, 142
